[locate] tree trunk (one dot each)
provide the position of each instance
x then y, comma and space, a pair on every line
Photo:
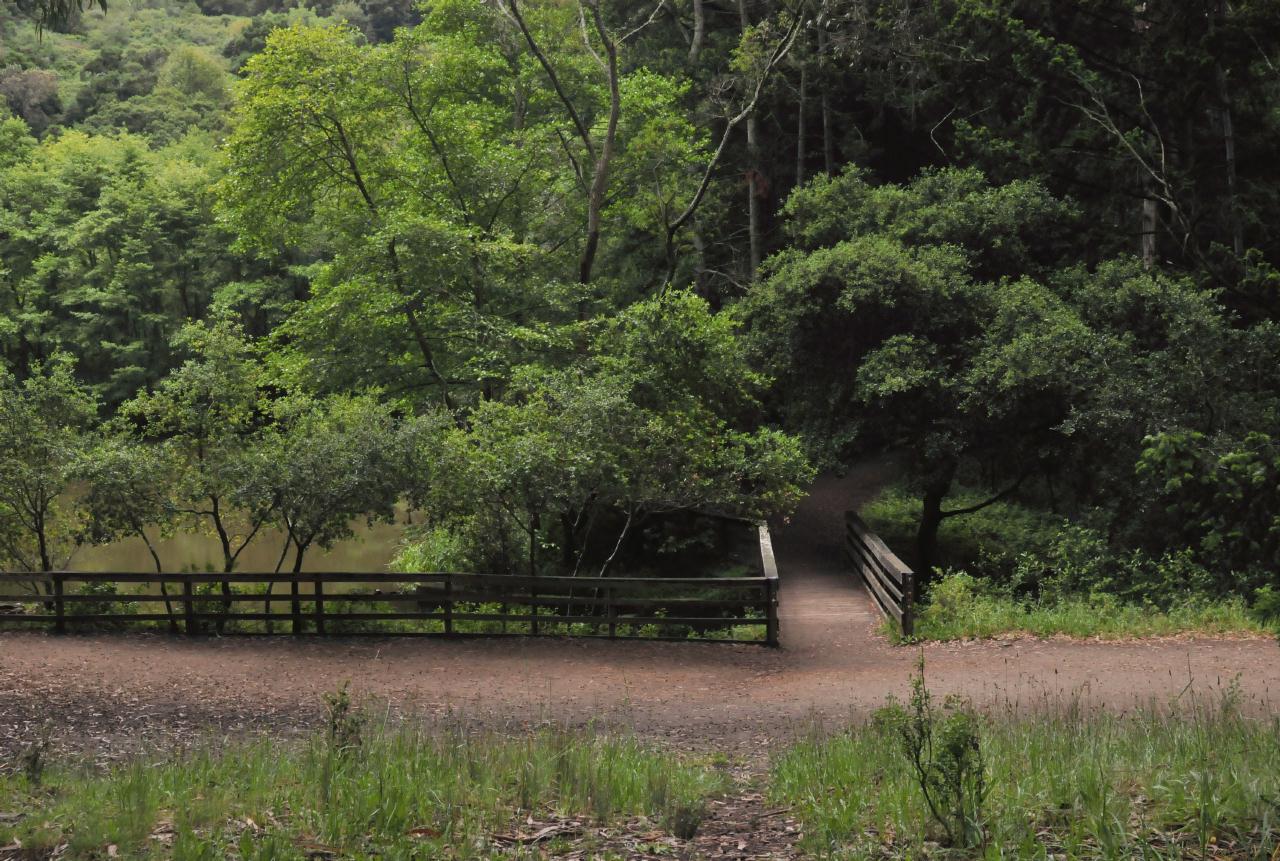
937, 486
1150, 221
828, 142
699, 31
295, 604
754, 188
800, 118
228, 559
927, 538
600, 177
1228, 141
164, 590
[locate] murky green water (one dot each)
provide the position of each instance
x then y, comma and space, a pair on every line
370, 550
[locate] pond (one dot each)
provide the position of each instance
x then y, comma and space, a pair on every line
370, 549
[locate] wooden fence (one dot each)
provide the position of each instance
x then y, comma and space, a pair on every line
891, 583
434, 603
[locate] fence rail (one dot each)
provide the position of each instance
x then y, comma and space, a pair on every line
313, 605
891, 583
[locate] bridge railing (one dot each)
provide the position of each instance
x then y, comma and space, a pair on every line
890, 581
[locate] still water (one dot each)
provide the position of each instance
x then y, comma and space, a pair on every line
370, 550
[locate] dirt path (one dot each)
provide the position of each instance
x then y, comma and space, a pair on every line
832, 666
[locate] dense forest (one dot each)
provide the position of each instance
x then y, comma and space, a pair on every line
559, 275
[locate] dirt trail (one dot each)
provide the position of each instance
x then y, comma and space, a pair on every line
833, 665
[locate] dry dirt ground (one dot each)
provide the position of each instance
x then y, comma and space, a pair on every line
833, 665
113, 693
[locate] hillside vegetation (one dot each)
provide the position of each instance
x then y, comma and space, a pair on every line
560, 277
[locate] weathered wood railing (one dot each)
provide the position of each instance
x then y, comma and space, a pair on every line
891, 583
450, 603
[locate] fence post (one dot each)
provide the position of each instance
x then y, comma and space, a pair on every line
319, 587
771, 611
769, 567
59, 609
295, 605
188, 604
533, 606
448, 603
908, 603
611, 611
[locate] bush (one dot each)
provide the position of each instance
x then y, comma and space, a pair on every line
944, 751
435, 548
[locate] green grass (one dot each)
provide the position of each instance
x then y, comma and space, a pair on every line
960, 608
1065, 786
395, 794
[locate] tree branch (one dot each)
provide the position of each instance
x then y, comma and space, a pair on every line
1004, 494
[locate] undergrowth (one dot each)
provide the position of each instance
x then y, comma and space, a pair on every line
963, 607
352, 791
1195, 781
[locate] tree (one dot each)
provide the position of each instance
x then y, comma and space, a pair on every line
208, 416
127, 492
657, 417
328, 462
931, 320
44, 424
109, 248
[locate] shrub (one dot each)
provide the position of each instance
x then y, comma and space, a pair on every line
945, 755
436, 548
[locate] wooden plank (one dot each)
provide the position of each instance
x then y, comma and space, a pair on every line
542, 600
543, 583
878, 547
892, 573
886, 603
188, 607
318, 589
869, 569
237, 577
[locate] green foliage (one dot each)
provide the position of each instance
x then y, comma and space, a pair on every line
435, 548
126, 491
44, 424
109, 248
1221, 498
207, 415
1061, 778
647, 422
324, 463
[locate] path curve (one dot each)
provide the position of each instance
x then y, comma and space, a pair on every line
833, 665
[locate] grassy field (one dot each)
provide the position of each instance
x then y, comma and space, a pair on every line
1204, 783
356, 792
